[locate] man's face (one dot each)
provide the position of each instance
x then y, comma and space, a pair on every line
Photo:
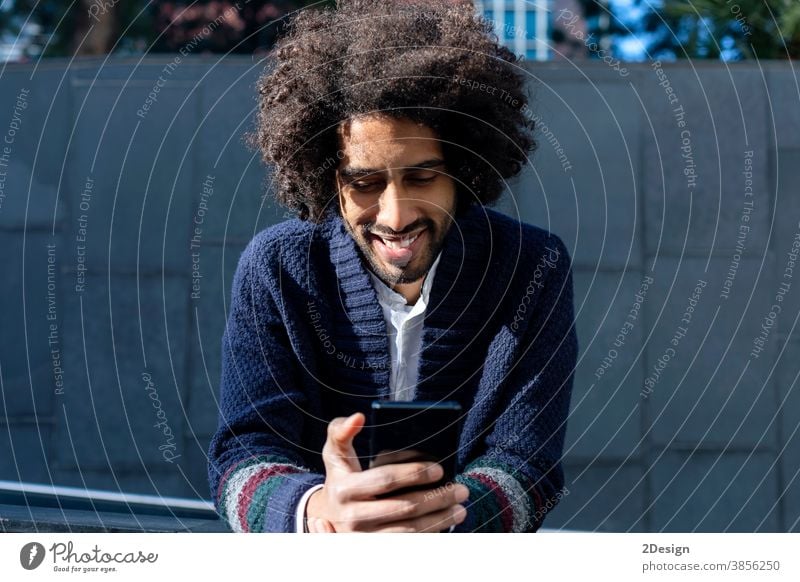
395, 196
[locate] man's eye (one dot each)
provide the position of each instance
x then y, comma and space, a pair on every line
362, 186
421, 180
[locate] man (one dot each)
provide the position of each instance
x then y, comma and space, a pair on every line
390, 127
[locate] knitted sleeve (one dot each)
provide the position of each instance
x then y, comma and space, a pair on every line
518, 477
256, 471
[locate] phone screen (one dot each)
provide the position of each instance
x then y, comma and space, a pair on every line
427, 431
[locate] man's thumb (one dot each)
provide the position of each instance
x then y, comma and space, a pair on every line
341, 432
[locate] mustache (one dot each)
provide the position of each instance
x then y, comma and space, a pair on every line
370, 228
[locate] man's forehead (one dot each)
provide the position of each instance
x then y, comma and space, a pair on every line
386, 142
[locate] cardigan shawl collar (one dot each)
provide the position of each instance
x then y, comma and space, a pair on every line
454, 318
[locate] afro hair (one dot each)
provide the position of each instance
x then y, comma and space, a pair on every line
434, 62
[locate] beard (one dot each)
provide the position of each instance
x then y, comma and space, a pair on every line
419, 265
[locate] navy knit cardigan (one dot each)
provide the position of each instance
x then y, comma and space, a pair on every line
306, 341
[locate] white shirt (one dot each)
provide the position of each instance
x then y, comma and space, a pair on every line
404, 328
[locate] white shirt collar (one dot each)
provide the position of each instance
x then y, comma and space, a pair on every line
391, 296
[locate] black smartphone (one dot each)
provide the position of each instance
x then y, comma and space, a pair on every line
428, 431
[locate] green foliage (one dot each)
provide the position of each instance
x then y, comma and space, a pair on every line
767, 29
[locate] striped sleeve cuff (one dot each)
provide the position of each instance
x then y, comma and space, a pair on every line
498, 498
261, 494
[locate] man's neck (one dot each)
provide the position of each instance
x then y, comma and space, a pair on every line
411, 291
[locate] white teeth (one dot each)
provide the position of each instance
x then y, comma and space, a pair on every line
399, 244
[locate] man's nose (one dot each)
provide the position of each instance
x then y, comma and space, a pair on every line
396, 210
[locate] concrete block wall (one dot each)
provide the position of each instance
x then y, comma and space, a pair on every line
674, 425
122, 218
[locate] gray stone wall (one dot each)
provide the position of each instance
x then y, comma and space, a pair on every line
128, 194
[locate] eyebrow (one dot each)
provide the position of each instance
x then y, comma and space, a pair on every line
355, 172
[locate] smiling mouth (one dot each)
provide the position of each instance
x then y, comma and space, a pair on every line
398, 242
395, 250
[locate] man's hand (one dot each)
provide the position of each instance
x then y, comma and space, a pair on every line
347, 501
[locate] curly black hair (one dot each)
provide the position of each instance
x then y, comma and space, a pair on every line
434, 62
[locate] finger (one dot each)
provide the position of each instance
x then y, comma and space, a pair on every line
430, 523
319, 525
417, 503
381, 480
389, 457
407, 506
338, 453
